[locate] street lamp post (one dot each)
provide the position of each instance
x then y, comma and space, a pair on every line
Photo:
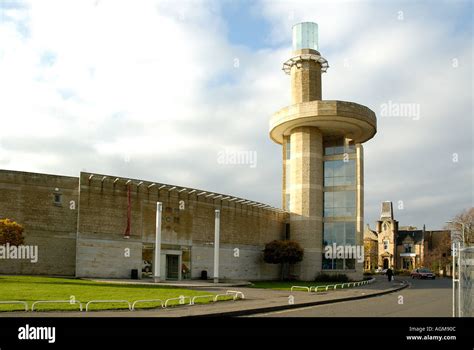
457, 259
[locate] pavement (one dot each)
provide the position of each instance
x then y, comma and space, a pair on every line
256, 301
209, 284
423, 298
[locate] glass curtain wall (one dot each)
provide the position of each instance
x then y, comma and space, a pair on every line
339, 223
287, 172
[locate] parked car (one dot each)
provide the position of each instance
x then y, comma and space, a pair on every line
422, 273
146, 267
381, 271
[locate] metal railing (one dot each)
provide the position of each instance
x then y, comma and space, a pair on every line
236, 294
109, 301
56, 302
147, 301
193, 300
333, 286
180, 298
131, 306
301, 287
24, 303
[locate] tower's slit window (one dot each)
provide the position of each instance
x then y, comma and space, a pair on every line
288, 148
57, 198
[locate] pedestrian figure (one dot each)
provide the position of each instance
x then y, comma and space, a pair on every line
389, 274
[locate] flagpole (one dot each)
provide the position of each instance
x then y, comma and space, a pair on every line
216, 245
156, 264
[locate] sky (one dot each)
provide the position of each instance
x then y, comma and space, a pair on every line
161, 90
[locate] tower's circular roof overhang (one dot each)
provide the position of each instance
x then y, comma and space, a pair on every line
333, 118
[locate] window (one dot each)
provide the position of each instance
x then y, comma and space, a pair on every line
288, 148
408, 248
339, 204
57, 199
385, 244
339, 173
287, 176
407, 264
338, 148
340, 233
350, 264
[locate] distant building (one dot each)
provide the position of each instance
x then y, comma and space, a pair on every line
405, 248
370, 249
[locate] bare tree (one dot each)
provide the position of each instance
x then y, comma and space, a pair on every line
438, 257
462, 226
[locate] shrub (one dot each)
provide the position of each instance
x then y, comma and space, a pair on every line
11, 232
283, 252
278, 252
324, 277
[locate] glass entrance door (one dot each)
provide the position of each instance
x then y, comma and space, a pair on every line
172, 267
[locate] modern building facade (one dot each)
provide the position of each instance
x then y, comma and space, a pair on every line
104, 226
323, 181
98, 225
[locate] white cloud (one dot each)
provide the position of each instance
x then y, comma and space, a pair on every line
86, 84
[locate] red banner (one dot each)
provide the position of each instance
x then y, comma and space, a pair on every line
129, 213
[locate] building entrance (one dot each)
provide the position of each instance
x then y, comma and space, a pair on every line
172, 267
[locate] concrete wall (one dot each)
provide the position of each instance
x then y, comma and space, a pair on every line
107, 257
249, 264
28, 198
83, 236
187, 221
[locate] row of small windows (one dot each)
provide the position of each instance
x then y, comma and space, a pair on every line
338, 264
330, 148
339, 148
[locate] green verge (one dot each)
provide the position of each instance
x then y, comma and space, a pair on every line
286, 285
34, 288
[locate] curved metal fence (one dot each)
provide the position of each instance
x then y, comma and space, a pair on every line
466, 277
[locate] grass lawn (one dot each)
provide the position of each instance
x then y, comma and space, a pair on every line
286, 285
33, 288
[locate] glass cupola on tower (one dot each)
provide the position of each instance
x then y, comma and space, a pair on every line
305, 36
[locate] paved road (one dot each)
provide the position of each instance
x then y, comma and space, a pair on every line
423, 298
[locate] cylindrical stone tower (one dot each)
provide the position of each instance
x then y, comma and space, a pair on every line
322, 161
